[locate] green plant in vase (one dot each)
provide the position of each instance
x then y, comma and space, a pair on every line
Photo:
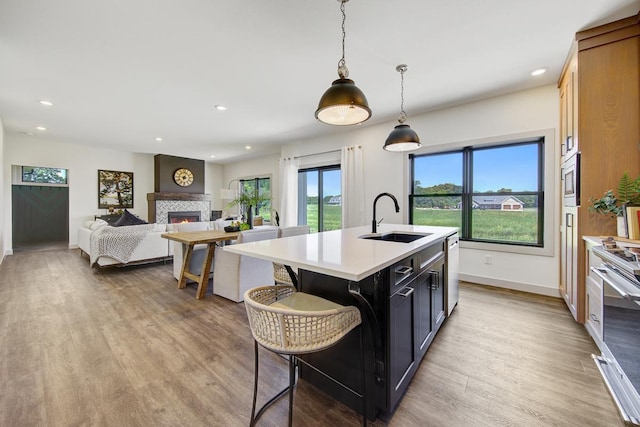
628, 193
606, 205
613, 205
247, 202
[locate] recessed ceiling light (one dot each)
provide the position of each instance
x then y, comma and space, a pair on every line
221, 107
158, 139
41, 128
538, 71
46, 103
212, 156
248, 147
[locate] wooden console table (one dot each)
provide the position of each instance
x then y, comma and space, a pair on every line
191, 238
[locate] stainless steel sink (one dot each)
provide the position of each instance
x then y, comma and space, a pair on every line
395, 236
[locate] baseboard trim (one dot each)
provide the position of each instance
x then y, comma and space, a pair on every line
516, 286
5, 254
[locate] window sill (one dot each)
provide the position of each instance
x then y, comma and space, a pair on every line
546, 250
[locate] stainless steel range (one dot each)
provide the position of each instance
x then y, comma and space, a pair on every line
619, 362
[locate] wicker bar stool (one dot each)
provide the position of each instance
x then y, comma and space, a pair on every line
293, 323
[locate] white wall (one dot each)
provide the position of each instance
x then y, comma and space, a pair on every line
213, 182
3, 223
530, 111
83, 163
263, 166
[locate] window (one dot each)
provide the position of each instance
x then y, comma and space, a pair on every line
259, 189
493, 194
44, 175
320, 198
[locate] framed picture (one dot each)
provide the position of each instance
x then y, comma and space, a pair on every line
115, 189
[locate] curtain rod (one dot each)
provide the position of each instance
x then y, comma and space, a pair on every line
319, 154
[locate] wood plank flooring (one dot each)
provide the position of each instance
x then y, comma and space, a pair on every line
125, 347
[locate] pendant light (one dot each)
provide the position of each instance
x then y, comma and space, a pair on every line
343, 103
402, 137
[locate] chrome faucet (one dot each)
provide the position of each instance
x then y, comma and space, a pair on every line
374, 223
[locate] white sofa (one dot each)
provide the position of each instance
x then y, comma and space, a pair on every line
151, 248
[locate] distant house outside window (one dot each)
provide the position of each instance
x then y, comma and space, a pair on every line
493, 194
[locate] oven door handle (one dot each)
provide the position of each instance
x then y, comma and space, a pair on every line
602, 272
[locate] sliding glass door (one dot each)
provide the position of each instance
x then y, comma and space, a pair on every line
320, 198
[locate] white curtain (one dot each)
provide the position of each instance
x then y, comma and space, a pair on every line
288, 192
351, 165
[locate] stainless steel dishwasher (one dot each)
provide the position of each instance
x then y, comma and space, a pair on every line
453, 266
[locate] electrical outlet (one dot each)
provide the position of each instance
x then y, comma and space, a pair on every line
488, 259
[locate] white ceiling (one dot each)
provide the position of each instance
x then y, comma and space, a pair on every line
123, 72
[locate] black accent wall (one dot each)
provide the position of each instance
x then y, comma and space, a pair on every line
40, 215
164, 168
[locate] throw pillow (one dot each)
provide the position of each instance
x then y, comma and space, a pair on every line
128, 218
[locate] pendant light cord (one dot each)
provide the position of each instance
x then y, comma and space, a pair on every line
343, 71
403, 115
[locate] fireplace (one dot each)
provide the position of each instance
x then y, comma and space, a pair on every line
177, 217
160, 204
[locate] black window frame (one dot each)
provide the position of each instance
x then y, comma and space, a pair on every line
467, 194
256, 181
302, 213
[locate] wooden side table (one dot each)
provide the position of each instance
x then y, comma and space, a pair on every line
190, 239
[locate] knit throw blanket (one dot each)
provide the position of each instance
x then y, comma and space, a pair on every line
117, 242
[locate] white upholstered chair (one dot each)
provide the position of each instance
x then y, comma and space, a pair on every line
280, 274
293, 230
199, 251
234, 274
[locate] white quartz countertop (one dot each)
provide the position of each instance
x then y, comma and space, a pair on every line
341, 253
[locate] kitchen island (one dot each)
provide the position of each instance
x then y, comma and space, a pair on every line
397, 277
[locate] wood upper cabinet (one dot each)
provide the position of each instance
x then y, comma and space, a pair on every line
569, 108
599, 93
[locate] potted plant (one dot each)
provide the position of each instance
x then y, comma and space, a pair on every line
628, 193
247, 202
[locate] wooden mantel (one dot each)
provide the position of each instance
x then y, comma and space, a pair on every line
177, 196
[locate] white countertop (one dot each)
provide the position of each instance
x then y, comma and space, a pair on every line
340, 253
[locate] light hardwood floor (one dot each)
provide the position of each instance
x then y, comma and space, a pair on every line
125, 347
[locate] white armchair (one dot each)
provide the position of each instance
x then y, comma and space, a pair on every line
293, 230
199, 251
234, 274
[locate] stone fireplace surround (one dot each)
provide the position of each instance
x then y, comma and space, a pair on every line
160, 204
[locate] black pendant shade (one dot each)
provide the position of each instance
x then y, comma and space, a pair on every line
402, 138
343, 104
